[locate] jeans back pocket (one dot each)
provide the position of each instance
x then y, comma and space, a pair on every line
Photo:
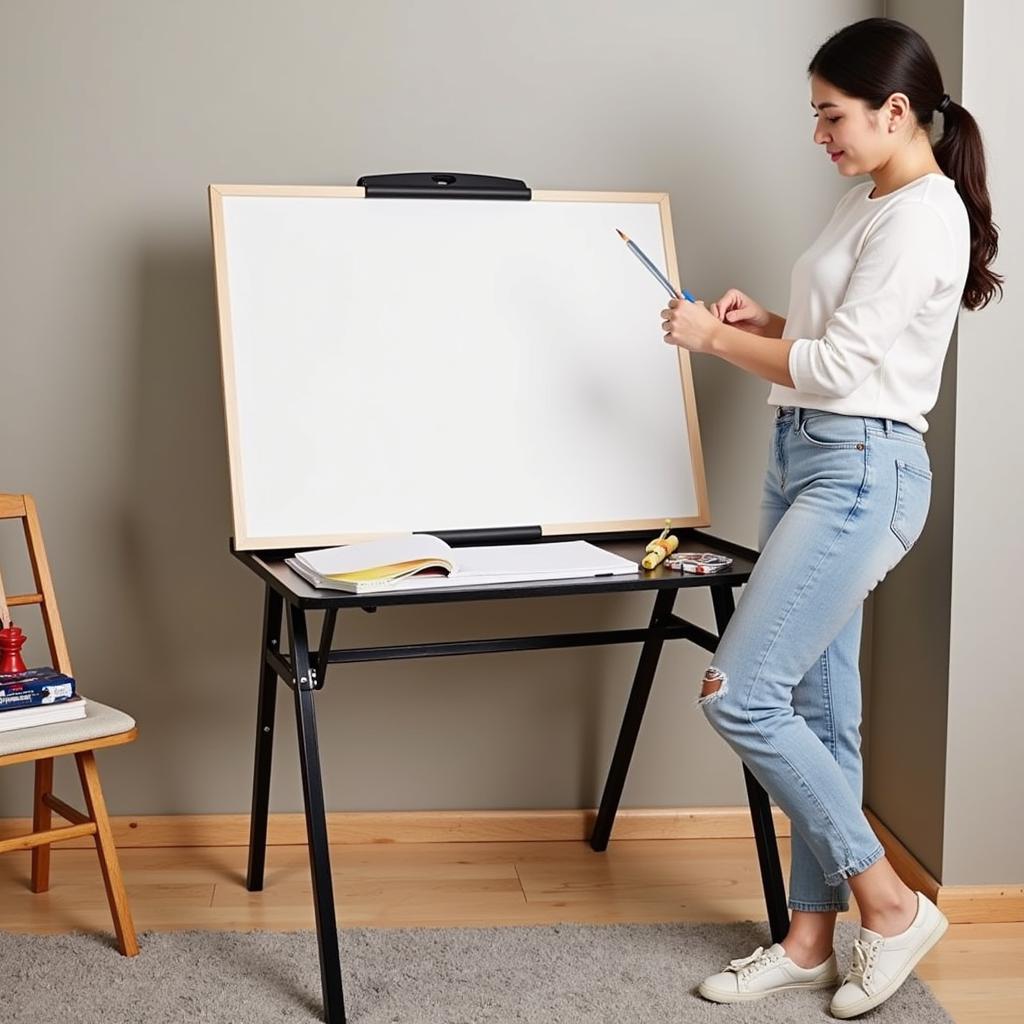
913, 496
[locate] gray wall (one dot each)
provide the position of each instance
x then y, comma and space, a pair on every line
984, 833
118, 115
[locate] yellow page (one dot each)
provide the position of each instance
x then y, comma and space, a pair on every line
394, 571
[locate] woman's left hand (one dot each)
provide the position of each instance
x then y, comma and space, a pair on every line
689, 325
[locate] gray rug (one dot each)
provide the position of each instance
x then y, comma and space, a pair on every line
626, 974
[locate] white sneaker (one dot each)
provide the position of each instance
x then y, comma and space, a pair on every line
881, 965
765, 972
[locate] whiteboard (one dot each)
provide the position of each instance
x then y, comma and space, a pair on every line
397, 365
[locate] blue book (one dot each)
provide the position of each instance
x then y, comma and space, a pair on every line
31, 676
35, 687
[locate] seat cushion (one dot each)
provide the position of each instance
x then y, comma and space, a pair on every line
99, 721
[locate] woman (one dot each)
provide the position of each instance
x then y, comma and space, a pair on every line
855, 367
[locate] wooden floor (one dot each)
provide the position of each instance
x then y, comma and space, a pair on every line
976, 971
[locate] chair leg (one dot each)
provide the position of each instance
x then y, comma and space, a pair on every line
116, 895
41, 822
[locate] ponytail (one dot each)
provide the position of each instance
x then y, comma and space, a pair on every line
961, 155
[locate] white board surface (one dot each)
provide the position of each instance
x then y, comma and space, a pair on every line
393, 365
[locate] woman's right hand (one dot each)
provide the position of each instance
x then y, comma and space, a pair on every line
739, 310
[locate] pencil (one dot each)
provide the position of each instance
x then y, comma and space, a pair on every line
642, 257
5, 612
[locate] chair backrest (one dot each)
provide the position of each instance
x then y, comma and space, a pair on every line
21, 506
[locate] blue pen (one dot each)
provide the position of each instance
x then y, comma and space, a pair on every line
642, 257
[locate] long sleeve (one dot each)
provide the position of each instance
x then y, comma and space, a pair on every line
904, 261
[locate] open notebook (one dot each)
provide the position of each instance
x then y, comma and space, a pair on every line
425, 562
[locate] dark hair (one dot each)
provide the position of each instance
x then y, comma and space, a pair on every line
874, 58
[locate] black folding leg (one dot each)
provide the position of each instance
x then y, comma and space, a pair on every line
271, 641
316, 822
760, 808
630, 728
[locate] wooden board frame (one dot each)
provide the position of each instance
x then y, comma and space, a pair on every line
243, 541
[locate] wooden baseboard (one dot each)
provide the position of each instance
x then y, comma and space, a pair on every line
962, 904
428, 827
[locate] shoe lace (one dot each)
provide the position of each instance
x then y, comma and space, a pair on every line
863, 960
757, 961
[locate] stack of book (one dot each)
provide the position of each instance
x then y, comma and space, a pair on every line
40, 696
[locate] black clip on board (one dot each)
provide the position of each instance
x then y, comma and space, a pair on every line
442, 185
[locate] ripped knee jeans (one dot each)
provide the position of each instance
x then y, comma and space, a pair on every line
845, 498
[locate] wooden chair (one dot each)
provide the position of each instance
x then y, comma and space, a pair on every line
102, 727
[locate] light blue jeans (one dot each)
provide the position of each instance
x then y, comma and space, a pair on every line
845, 498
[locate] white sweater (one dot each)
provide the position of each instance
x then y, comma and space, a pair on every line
873, 303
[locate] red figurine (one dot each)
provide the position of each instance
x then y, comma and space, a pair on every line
11, 642
11, 638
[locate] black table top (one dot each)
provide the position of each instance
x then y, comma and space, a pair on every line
270, 566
